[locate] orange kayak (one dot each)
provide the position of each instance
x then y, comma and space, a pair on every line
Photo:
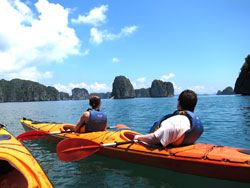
199, 159
18, 168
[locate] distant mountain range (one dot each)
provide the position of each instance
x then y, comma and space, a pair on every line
18, 90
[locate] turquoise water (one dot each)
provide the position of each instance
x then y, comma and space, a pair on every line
226, 122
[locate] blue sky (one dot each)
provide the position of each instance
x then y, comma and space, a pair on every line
200, 45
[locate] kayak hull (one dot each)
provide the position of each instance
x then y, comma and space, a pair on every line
199, 159
199, 167
18, 168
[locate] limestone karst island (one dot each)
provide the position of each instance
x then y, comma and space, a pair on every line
18, 90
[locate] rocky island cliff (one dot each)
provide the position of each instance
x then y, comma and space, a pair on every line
122, 88
80, 94
242, 84
18, 90
161, 89
227, 91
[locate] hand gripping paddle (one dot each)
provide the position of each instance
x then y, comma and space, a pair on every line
74, 149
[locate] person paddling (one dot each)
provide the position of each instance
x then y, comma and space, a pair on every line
180, 128
93, 119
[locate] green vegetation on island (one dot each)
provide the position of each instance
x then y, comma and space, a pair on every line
227, 91
18, 90
122, 88
242, 84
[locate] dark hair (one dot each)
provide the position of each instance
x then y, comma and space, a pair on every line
94, 101
188, 100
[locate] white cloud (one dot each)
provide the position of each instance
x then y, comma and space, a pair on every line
96, 87
95, 17
80, 85
141, 83
199, 89
31, 73
62, 88
128, 30
167, 77
177, 89
92, 88
98, 36
24, 11
141, 80
26, 41
86, 52
115, 60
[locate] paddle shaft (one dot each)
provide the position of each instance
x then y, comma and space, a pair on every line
71, 131
74, 149
118, 143
59, 132
114, 144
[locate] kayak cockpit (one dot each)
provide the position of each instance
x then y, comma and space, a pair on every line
128, 135
68, 128
10, 176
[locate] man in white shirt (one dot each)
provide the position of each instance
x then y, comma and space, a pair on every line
182, 127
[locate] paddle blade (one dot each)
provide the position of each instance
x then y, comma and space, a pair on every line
74, 149
30, 135
121, 126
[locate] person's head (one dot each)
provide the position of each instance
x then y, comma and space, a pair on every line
187, 100
94, 101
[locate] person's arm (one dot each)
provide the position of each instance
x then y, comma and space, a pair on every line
106, 125
148, 138
84, 118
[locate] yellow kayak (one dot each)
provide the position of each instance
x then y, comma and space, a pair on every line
18, 168
200, 159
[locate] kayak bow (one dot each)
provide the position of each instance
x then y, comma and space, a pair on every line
18, 168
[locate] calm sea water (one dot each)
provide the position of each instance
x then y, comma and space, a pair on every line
226, 121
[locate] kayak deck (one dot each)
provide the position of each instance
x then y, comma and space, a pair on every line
198, 159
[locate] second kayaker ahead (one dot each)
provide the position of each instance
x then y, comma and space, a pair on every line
93, 119
180, 128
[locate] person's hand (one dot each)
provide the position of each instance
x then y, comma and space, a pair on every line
136, 137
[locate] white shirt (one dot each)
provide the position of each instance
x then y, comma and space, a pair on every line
172, 129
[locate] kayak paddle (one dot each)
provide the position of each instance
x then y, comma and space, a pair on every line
119, 126
74, 149
35, 134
